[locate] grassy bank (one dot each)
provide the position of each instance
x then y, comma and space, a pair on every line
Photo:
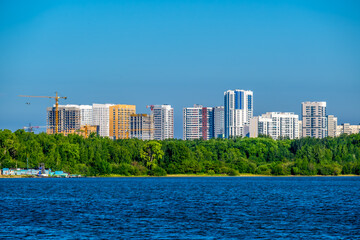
187, 175
224, 175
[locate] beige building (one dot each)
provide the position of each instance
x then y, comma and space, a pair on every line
86, 130
346, 128
259, 125
332, 126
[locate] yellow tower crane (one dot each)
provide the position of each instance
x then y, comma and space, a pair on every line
56, 107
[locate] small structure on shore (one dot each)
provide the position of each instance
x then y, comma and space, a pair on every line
41, 172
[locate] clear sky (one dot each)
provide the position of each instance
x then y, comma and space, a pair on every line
180, 53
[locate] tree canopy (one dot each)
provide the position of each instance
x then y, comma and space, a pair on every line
96, 155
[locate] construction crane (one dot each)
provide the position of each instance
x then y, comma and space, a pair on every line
150, 106
85, 131
30, 128
56, 107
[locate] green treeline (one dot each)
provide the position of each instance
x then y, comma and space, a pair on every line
132, 157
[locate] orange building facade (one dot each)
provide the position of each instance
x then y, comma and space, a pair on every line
120, 120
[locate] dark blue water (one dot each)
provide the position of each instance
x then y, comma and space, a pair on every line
181, 208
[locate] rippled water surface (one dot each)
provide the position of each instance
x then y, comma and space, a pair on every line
181, 208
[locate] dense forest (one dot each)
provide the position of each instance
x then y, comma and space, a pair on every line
97, 156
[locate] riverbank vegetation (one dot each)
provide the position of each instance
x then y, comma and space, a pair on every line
96, 156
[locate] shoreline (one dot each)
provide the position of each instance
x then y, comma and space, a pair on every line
186, 175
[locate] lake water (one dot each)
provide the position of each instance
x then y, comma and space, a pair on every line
181, 208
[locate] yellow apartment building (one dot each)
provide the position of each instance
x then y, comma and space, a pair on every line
120, 120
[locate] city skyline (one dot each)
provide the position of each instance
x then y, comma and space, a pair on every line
179, 54
148, 111
233, 119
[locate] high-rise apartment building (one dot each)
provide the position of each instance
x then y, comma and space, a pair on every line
101, 118
142, 126
163, 121
300, 129
86, 114
314, 119
219, 122
332, 125
276, 125
207, 123
69, 119
238, 110
120, 120
198, 122
192, 122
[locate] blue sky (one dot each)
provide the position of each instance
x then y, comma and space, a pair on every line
179, 53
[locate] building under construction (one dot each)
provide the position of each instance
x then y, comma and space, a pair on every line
142, 126
69, 121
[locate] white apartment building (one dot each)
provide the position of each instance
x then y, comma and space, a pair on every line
238, 110
86, 114
163, 121
276, 125
198, 122
332, 125
192, 122
314, 120
219, 130
101, 118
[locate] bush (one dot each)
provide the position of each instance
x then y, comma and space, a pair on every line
277, 169
263, 169
330, 169
295, 171
137, 169
229, 171
232, 172
122, 169
157, 171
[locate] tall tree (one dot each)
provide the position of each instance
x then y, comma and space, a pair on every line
150, 153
